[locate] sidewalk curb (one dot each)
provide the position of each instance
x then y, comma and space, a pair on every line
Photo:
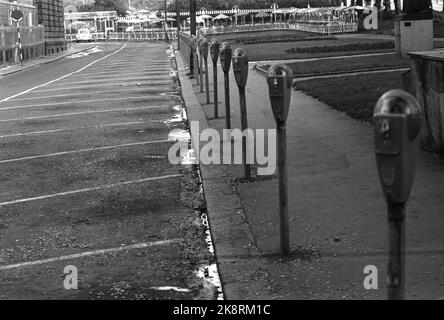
234, 245
45, 62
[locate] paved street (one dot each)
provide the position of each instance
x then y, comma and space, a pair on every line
85, 180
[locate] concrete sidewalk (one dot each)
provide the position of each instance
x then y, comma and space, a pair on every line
74, 49
337, 212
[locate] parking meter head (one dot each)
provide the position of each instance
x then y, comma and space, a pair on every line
193, 42
280, 80
397, 126
225, 56
214, 49
204, 48
240, 67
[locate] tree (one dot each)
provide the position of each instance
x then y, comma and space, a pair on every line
106, 5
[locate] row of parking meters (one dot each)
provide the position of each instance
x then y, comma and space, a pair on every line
397, 126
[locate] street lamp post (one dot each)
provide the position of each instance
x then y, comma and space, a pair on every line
178, 23
274, 6
192, 32
166, 21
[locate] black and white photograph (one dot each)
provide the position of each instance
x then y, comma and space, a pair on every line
221, 156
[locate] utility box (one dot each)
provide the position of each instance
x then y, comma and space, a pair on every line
414, 27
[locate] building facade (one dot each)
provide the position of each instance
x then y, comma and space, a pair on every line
26, 6
50, 15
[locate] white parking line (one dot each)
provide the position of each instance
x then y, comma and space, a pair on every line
85, 87
165, 77
105, 72
138, 88
81, 113
67, 193
76, 128
90, 253
62, 153
144, 98
118, 75
62, 77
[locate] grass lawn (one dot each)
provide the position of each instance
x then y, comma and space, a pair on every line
271, 34
271, 51
354, 95
307, 68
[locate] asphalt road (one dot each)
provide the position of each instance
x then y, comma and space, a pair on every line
85, 180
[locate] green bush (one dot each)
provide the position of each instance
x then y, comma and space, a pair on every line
291, 39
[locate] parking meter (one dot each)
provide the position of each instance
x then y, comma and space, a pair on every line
280, 80
225, 61
204, 54
240, 70
397, 125
240, 67
204, 48
397, 120
194, 49
199, 44
225, 56
214, 52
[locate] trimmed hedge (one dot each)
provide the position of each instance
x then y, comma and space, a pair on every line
345, 47
273, 40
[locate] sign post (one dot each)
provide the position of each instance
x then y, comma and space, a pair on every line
17, 16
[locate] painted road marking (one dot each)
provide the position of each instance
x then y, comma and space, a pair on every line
144, 98
85, 150
109, 186
62, 77
90, 253
113, 80
120, 75
81, 94
80, 113
151, 83
76, 128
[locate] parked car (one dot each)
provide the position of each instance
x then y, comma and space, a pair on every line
84, 35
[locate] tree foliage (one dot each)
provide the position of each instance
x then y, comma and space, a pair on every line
106, 5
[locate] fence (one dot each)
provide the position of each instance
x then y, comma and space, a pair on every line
307, 27
32, 39
142, 36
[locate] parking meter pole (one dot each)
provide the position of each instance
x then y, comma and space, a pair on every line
215, 96
279, 79
214, 50
227, 101
201, 72
395, 268
196, 66
240, 70
244, 125
207, 83
200, 64
397, 119
225, 61
283, 187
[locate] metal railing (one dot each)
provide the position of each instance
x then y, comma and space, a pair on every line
244, 28
307, 27
31, 38
142, 36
